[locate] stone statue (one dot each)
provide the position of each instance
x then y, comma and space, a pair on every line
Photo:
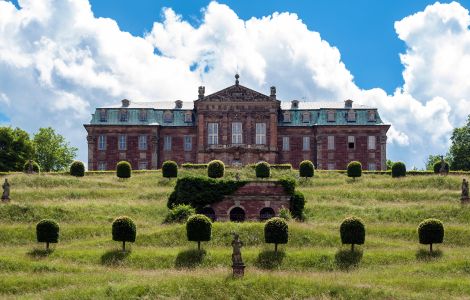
464, 190
273, 91
237, 176
201, 92
443, 169
6, 191
237, 255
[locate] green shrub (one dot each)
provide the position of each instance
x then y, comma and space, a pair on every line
169, 169
35, 167
179, 214
288, 184
124, 230
398, 169
281, 166
285, 214
431, 231
354, 169
352, 231
123, 169
199, 229
216, 169
262, 170
437, 167
306, 169
77, 169
276, 231
47, 231
194, 166
297, 205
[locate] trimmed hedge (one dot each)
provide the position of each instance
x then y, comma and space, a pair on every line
47, 231
306, 169
77, 169
124, 230
352, 231
398, 169
431, 231
36, 168
262, 170
297, 205
123, 169
276, 231
354, 169
169, 169
216, 169
179, 214
288, 183
194, 166
274, 166
437, 167
199, 229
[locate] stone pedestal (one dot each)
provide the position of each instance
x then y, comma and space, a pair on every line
238, 270
5, 199
465, 200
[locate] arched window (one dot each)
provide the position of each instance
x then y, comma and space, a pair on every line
237, 214
266, 213
209, 212
123, 115
168, 117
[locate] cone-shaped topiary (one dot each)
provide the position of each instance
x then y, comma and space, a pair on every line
437, 167
306, 169
354, 169
431, 231
169, 169
123, 169
352, 231
77, 169
276, 231
216, 169
47, 231
34, 166
124, 230
199, 229
263, 170
398, 169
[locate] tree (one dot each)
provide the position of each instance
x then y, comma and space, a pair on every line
398, 169
53, 152
459, 151
352, 231
433, 159
389, 164
216, 169
77, 169
276, 231
123, 169
124, 230
15, 149
199, 229
262, 170
431, 231
354, 169
306, 169
169, 169
47, 231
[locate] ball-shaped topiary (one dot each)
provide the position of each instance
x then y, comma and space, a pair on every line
77, 169
216, 169
306, 169
352, 231
276, 231
47, 231
431, 231
199, 229
124, 230
263, 170
34, 166
398, 169
354, 169
169, 169
123, 169
437, 167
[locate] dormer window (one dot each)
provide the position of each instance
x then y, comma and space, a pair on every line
103, 115
178, 104
286, 116
123, 115
143, 115
331, 116
306, 117
295, 104
188, 117
371, 116
351, 116
168, 117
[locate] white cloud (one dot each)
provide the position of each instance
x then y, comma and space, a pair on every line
58, 62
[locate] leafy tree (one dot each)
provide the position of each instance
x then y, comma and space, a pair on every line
169, 169
47, 231
354, 169
123, 169
198, 229
77, 169
124, 230
216, 169
15, 149
389, 164
433, 159
398, 169
306, 169
460, 149
53, 152
431, 231
352, 231
263, 170
276, 231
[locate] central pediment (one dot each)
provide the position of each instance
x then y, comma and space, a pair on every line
237, 93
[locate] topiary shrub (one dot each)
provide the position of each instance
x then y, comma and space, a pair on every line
297, 205
262, 170
77, 169
35, 166
123, 169
216, 169
354, 169
437, 167
398, 169
199, 229
124, 230
306, 169
47, 231
276, 231
169, 169
179, 214
288, 183
431, 231
352, 231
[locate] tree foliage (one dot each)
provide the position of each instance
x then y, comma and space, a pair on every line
216, 169
354, 169
263, 170
276, 231
431, 231
47, 231
398, 169
199, 229
124, 230
460, 149
77, 169
169, 169
306, 169
352, 231
123, 169
15, 149
53, 152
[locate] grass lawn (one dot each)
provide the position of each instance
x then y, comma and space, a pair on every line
87, 264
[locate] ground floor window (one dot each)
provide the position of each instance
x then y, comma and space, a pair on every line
101, 166
372, 167
143, 165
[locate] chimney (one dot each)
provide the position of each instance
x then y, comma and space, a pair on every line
348, 103
125, 102
273, 92
201, 92
179, 104
294, 104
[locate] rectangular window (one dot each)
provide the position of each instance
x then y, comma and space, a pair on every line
143, 115
372, 167
351, 116
286, 116
351, 142
331, 166
306, 143
331, 142
371, 116
188, 143
167, 143
101, 142
331, 116
371, 142
143, 165
122, 142
261, 133
142, 142
101, 166
285, 143
103, 116
213, 133
123, 115
306, 117
188, 117
237, 137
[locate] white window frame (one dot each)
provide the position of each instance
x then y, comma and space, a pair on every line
237, 133
331, 142
143, 142
306, 117
101, 142
124, 115
143, 115
285, 143
188, 117
331, 166
188, 143
101, 166
351, 139
143, 165
306, 143
286, 116
260, 133
167, 117
212, 133
371, 142
167, 141
331, 116
372, 167
103, 115
372, 116
122, 142
351, 116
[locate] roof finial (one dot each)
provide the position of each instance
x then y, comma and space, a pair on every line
236, 79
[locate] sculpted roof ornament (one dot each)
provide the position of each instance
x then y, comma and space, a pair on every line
237, 93
236, 79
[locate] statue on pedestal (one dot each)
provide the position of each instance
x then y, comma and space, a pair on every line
464, 197
6, 191
443, 170
237, 262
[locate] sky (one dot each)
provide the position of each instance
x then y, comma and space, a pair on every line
59, 59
